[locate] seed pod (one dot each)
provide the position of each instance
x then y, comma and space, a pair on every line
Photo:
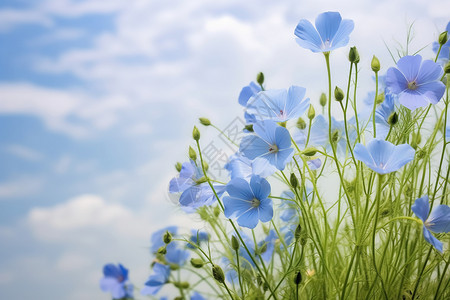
234, 243
293, 180
338, 94
353, 55
218, 273
260, 78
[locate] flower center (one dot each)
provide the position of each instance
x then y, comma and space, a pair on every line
412, 85
273, 148
255, 202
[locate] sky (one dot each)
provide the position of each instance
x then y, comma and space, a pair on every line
97, 104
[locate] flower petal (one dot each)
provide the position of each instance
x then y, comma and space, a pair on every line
308, 37
412, 99
432, 240
439, 219
410, 65
341, 37
421, 207
327, 25
429, 71
249, 219
265, 210
396, 81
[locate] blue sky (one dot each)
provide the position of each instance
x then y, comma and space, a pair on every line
97, 103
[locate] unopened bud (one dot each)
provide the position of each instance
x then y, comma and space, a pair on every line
196, 133
443, 38
263, 248
216, 211
197, 263
375, 64
309, 151
298, 278
204, 121
205, 165
178, 166
298, 231
353, 55
265, 286
162, 250
234, 243
294, 181
393, 119
447, 68
301, 124
218, 273
192, 154
260, 78
323, 99
338, 94
181, 285
311, 112
167, 237
249, 127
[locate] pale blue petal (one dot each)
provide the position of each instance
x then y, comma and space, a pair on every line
432, 91
412, 99
266, 130
308, 37
234, 206
253, 146
400, 156
265, 210
432, 240
421, 208
314, 164
395, 81
107, 284
260, 187
327, 25
429, 71
282, 138
284, 157
341, 38
239, 188
249, 219
362, 154
439, 219
262, 167
247, 92
410, 65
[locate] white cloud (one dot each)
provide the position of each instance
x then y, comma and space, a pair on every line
9, 18
20, 187
23, 152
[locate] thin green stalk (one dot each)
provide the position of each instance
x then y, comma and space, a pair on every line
375, 106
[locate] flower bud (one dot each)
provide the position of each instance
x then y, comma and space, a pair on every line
218, 273
192, 154
353, 55
298, 278
294, 181
234, 243
204, 121
310, 151
447, 68
301, 124
338, 94
216, 211
265, 286
260, 78
196, 133
323, 99
162, 250
311, 112
181, 285
443, 38
298, 231
393, 119
178, 166
375, 64
249, 127
167, 237
205, 165
262, 249
197, 263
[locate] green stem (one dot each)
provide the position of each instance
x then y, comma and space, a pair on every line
375, 105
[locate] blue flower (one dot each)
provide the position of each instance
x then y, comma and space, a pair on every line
278, 105
197, 296
176, 255
382, 156
194, 192
156, 239
332, 32
242, 167
197, 237
416, 82
445, 50
270, 146
248, 202
247, 92
156, 281
269, 241
319, 135
115, 281
438, 221
382, 114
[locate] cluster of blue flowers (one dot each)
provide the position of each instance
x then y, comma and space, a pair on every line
372, 137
